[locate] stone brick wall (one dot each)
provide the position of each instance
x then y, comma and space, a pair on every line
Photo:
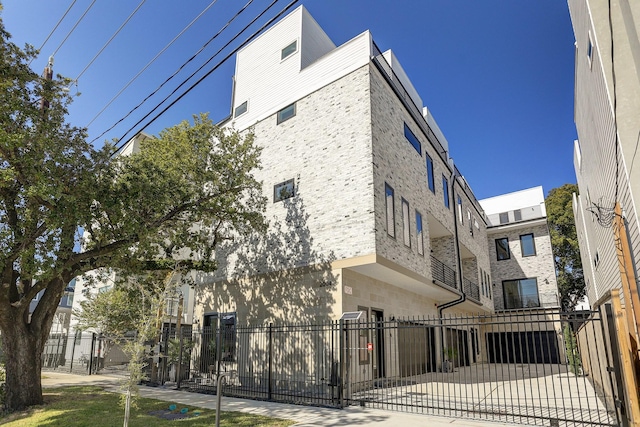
326, 149
540, 266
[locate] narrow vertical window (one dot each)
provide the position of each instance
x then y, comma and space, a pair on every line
406, 228
502, 249
527, 245
419, 233
391, 220
445, 191
430, 180
412, 139
460, 216
504, 217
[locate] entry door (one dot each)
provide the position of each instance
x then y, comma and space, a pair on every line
376, 320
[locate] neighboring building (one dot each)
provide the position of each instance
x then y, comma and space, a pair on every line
520, 250
55, 347
607, 117
368, 211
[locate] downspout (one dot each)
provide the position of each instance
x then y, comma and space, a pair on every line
463, 296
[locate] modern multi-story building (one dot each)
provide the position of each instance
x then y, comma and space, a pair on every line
520, 251
368, 211
607, 117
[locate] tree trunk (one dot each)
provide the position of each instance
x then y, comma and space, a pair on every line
23, 360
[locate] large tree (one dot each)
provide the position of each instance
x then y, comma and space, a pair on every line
564, 241
176, 198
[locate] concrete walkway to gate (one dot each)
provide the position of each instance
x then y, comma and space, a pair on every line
303, 415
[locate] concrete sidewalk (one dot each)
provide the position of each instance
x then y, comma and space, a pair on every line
302, 415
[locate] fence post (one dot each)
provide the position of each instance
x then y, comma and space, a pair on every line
179, 367
619, 400
344, 362
269, 378
73, 349
93, 343
628, 371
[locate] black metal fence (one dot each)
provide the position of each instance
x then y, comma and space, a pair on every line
537, 367
524, 367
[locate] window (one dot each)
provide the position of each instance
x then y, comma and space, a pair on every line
241, 109
406, 228
504, 217
412, 139
470, 222
391, 219
286, 113
590, 50
430, 180
460, 216
517, 215
445, 191
502, 249
284, 190
419, 233
289, 50
521, 293
527, 245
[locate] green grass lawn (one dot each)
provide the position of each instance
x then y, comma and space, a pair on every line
91, 406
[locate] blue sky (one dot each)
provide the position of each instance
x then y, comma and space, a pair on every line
496, 74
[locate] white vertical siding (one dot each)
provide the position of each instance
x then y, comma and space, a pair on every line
269, 83
314, 41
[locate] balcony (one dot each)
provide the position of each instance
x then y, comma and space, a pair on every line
443, 273
472, 290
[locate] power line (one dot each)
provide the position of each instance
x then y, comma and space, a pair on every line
151, 62
110, 40
181, 67
74, 27
54, 28
233, 52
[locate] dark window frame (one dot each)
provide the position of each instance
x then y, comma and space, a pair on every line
498, 249
431, 181
419, 233
283, 114
279, 195
533, 243
508, 301
413, 139
388, 190
445, 192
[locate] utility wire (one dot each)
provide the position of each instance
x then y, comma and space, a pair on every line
233, 52
151, 62
74, 27
182, 66
54, 28
126, 21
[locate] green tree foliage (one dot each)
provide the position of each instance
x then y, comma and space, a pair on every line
176, 198
564, 241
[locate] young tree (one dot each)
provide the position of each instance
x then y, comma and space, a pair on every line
564, 242
135, 208
133, 305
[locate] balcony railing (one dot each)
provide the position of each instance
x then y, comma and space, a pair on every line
471, 289
443, 273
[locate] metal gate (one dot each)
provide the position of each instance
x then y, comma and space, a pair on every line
537, 366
